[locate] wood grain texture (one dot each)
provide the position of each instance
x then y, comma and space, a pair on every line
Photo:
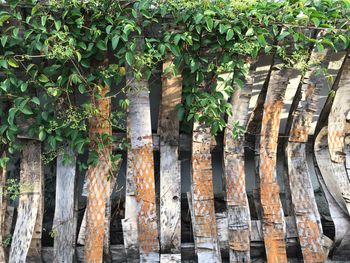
170, 171
333, 194
338, 125
203, 196
142, 167
304, 205
3, 208
64, 221
98, 182
31, 180
273, 217
236, 197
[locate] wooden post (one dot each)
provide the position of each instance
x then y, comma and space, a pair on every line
304, 205
98, 179
204, 224
170, 171
334, 196
26, 241
64, 221
142, 165
3, 208
238, 213
273, 217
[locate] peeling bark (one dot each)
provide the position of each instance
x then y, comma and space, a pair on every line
64, 221
204, 224
26, 244
273, 217
170, 171
98, 182
236, 197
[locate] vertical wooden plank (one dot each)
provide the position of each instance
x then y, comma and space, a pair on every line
305, 209
64, 221
29, 205
3, 208
337, 205
338, 125
142, 166
98, 179
236, 197
273, 216
204, 224
170, 172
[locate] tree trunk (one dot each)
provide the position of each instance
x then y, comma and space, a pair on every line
273, 217
170, 171
3, 209
98, 182
25, 242
236, 197
64, 219
204, 224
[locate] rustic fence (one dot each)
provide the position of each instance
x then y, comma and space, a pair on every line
151, 227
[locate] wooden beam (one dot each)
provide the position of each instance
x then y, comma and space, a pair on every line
170, 170
64, 218
26, 244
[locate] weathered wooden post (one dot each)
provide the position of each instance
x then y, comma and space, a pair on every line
64, 224
238, 213
170, 171
142, 165
3, 206
26, 241
98, 178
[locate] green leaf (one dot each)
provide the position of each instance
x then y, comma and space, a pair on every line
42, 78
180, 113
108, 29
222, 28
129, 57
11, 115
283, 35
81, 88
175, 50
4, 18
26, 110
24, 86
102, 45
42, 135
198, 18
13, 63
315, 21
229, 35
58, 24
249, 32
3, 63
4, 40
210, 23
36, 100
261, 40
115, 41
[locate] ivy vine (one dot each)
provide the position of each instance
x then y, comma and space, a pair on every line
55, 57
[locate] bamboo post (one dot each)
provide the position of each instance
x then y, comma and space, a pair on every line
170, 171
26, 241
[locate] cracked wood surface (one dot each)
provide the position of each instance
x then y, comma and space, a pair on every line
98, 183
272, 211
64, 224
170, 171
205, 227
238, 213
26, 240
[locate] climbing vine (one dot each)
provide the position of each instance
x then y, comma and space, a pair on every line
56, 56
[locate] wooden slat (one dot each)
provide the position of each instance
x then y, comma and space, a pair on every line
305, 209
170, 171
142, 166
25, 239
236, 197
203, 197
98, 182
273, 217
64, 219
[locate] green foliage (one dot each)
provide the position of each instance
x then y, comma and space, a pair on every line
50, 54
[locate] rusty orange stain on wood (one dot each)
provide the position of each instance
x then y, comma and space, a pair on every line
273, 218
97, 180
143, 165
